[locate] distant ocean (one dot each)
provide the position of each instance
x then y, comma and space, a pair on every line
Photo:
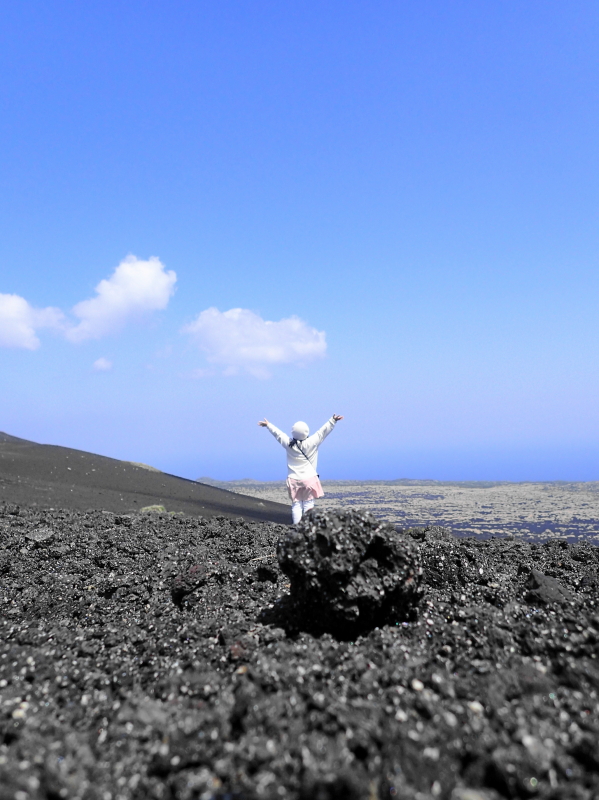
531, 511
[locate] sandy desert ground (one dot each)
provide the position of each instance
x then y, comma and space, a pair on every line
532, 511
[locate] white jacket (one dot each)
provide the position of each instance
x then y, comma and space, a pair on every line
298, 466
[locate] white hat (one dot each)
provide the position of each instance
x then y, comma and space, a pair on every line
300, 431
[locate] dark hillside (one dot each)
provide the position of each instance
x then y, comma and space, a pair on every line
49, 476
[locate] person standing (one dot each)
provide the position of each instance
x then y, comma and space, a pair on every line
303, 483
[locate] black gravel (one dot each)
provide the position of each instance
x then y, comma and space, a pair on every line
157, 656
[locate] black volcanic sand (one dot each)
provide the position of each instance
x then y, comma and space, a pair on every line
49, 476
157, 656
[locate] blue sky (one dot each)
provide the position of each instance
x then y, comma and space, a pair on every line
215, 212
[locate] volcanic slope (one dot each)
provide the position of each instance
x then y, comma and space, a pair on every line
161, 657
50, 476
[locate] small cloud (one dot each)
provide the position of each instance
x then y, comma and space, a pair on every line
241, 339
134, 288
19, 322
102, 364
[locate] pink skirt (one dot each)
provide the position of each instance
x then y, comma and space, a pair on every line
308, 489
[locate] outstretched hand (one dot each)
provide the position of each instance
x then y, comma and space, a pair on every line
337, 417
263, 423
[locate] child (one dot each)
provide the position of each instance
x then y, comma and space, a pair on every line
303, 483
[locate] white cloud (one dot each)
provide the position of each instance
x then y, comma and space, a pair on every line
19, 321
135, 287
102, 364
240, 338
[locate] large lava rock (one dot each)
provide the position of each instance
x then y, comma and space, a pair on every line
544, 589
349, 572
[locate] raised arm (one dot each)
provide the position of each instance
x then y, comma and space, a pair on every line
322, 433
281, 437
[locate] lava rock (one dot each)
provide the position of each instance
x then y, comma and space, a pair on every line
349, 572
187, 582
40, 536
545, 589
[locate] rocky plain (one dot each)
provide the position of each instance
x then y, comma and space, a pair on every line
157, 655
534, 511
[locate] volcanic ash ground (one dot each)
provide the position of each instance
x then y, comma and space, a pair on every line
164, 656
